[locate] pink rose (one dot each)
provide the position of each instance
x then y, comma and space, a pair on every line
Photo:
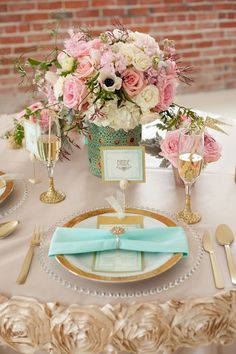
169, 147
133, 81
167, 93
74, 92
84, 68
212, 150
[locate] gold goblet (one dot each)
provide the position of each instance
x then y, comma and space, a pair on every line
190, 158
49, 144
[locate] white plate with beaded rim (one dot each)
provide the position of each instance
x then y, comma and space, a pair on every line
154, 263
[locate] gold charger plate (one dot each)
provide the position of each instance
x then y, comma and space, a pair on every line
8, 188
67, 264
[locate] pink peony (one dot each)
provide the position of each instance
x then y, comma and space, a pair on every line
167, 93
74, 92
84, 68
133, 81
169, 147
212, 150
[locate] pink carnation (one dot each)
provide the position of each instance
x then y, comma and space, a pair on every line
74, 92
133, 81
169, 147
212, 150
167, 92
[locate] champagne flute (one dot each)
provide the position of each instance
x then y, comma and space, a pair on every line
49, 145
190, 159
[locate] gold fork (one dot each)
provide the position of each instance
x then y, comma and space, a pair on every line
35, 241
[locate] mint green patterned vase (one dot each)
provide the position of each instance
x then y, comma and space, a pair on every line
106, 136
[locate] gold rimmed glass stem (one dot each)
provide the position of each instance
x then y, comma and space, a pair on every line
187, 215
51, 196
190, 157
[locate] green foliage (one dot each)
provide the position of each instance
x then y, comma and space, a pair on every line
173, 119
18, 133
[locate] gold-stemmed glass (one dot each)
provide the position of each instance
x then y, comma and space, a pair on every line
49, 145
190, 158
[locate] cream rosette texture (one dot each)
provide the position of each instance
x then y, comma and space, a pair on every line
202, 321
28, 326
140, 328
80, 330
24, 324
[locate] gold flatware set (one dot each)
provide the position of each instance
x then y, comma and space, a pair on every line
7, 227
35, 241
224, 237
208, 247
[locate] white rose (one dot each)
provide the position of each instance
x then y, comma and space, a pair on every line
65, 61
148, 98
58, 87
51, 77
140, 60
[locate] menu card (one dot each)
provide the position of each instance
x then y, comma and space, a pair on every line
118, 260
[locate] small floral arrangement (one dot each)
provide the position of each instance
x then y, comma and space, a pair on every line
169, 148
172, 121
121, 79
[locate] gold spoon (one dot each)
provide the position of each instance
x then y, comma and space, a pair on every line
225, 237
6, 228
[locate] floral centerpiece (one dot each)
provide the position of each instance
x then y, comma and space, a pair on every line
106, 87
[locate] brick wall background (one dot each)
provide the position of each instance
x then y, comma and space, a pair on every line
204, 31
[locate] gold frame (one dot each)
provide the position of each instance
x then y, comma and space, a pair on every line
122, 279
8, 190
142, 148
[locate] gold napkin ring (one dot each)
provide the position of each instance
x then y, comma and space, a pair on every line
117, 231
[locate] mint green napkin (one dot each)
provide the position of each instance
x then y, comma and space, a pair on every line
76, 240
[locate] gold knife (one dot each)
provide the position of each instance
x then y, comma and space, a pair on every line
208, 247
